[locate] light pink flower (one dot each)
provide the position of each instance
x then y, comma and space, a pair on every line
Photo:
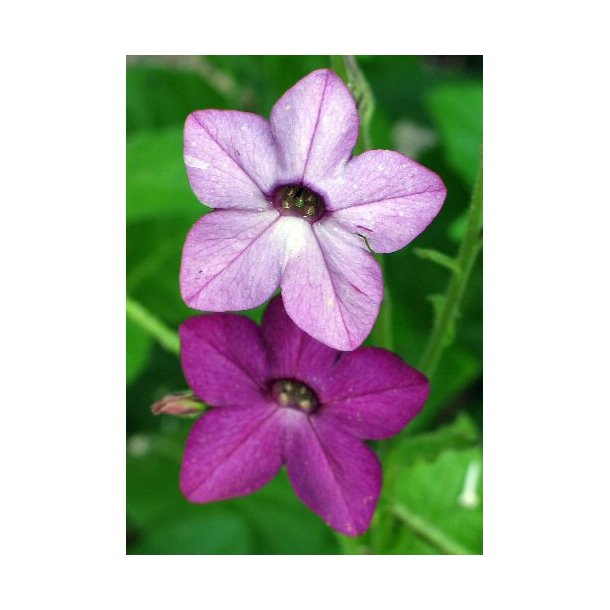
291, 205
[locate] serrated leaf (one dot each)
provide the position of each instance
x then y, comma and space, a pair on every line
459, 434
441, 501
437, 257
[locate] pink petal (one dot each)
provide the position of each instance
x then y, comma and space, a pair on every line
373, 394
224, 359
231, 452
331, 288
315, 124
231, 260
230, 158
293, 353
334, 474
386, 197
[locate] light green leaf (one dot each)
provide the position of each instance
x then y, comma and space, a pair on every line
157, 183
442, 503
457, 110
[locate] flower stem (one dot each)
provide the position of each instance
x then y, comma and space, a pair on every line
444, 323
349, 546
382, 334
167, 337
429, 533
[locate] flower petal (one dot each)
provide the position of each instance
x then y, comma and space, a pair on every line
385, 196
231, 452
293, 353
230, 158
334, 474
315, 125
224, 359
231, 260
331, 287
373, 394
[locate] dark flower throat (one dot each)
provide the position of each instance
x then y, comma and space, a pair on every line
294, 394
299, 201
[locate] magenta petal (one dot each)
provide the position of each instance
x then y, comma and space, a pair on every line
230, 158
224, 359
315, 124
331, 287
231, 260
373, 394
231, 452
293, 353
334, 474
385, 196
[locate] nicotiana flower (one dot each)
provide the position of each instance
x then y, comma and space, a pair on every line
281, 397
292, 208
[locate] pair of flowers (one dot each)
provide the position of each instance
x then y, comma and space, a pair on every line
292, 208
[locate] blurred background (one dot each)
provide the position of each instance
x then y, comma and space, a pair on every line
429, 108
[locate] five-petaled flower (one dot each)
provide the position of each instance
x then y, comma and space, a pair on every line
292, 208
281, 397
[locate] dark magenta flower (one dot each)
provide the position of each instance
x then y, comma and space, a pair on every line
292, 207
281, 397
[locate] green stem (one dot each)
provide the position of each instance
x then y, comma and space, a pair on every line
349, 546
166, 337
429, 533
469, 250
382, 334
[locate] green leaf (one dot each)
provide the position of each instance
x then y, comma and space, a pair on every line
157, 184
460, 434
457, 110
441, 501
160, 96
139, 345
205, 534
437, 257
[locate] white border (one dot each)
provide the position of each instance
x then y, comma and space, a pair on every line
546, 304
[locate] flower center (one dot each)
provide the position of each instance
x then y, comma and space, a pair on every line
294, 394
299, 201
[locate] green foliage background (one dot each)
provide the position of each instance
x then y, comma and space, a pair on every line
427, 107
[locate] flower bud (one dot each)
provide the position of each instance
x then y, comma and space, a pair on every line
182, 404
